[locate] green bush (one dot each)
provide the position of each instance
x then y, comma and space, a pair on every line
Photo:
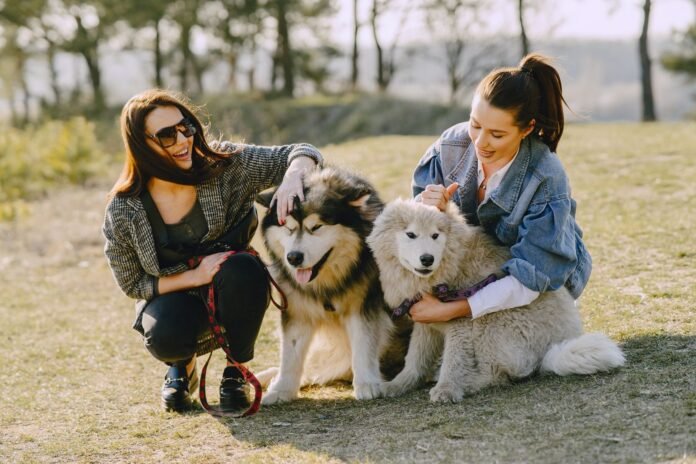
35, 159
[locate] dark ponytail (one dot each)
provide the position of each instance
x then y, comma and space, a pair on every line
533, 91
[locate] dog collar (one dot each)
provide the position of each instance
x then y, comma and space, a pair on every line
443, 293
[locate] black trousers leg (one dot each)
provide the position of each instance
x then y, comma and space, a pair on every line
171, 325
242, 296
173, 322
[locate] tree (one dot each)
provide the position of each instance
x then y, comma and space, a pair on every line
289, 14
454, 23
355, 54
23, 19
12, 75
523, 32
141, 15
91, 27
238, 25
684, 61
185, 14
645, 66
283, 55
386, 59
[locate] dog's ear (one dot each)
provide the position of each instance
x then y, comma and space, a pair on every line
264, 198
361, 201
359, 195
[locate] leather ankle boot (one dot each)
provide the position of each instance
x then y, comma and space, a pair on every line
233, 390
178, 388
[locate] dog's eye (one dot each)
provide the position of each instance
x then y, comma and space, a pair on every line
435, 236
315, 228
410, 235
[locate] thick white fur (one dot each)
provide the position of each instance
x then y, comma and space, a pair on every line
319, 346
492, 349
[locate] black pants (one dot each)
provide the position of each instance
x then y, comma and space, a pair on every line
173, 322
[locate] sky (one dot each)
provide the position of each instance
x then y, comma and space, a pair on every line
586, 19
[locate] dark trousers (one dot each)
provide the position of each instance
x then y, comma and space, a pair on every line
173, 322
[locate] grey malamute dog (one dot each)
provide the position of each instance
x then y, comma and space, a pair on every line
335, 302
492, 349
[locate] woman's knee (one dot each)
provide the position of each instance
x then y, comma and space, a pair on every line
242, 271
171, 324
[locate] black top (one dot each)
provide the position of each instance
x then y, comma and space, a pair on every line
175, 243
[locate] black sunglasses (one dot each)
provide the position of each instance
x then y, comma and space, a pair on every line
166, 136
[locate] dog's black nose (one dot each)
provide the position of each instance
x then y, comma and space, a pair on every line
295, 258
427, 260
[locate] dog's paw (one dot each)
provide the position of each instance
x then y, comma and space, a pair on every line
278, 396
446, 394
367, 391
392, 389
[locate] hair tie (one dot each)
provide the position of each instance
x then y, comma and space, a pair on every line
526, 70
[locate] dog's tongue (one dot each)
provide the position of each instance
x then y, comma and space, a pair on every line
303, 275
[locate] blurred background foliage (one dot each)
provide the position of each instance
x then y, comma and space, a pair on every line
267, 71
35, 159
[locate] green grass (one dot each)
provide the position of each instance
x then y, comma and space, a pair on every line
79, 386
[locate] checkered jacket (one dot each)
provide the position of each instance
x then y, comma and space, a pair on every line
225, 200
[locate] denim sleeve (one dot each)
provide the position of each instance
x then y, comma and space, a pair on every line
428, 171
545, 253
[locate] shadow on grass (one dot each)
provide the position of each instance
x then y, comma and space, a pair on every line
644, 411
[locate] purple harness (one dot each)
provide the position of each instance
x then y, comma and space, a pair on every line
443, 293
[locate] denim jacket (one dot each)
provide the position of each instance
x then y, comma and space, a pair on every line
531, 211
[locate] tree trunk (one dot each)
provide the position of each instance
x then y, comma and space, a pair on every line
251, 74
381, 83
53, 70
198, 73
284, 50
26, 97
645, 67
354, 59
454, 52
523, 33
233, 60
95, 78
158, 55
185, 55
88, 48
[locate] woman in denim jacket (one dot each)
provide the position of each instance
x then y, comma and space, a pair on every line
501, 169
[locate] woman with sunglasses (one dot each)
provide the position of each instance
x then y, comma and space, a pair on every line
179, 197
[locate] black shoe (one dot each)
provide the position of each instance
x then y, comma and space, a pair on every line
233, 391
178, 388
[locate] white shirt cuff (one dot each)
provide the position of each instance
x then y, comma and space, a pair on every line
505, 293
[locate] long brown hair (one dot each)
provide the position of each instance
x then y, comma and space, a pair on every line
143, 163
533, 91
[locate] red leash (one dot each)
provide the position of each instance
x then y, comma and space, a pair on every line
209, 300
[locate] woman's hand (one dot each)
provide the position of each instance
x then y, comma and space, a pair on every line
430, 309
208, 267
291, 187
438, 195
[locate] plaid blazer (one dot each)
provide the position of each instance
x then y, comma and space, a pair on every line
225, 200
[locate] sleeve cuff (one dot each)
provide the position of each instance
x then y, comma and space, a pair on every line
505, 293
308, 151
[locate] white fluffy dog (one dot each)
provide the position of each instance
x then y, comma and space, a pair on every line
492, 349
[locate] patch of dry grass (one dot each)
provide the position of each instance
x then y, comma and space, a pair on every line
79, 387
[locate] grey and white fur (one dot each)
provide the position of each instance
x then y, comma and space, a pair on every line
337, 325
545, 335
